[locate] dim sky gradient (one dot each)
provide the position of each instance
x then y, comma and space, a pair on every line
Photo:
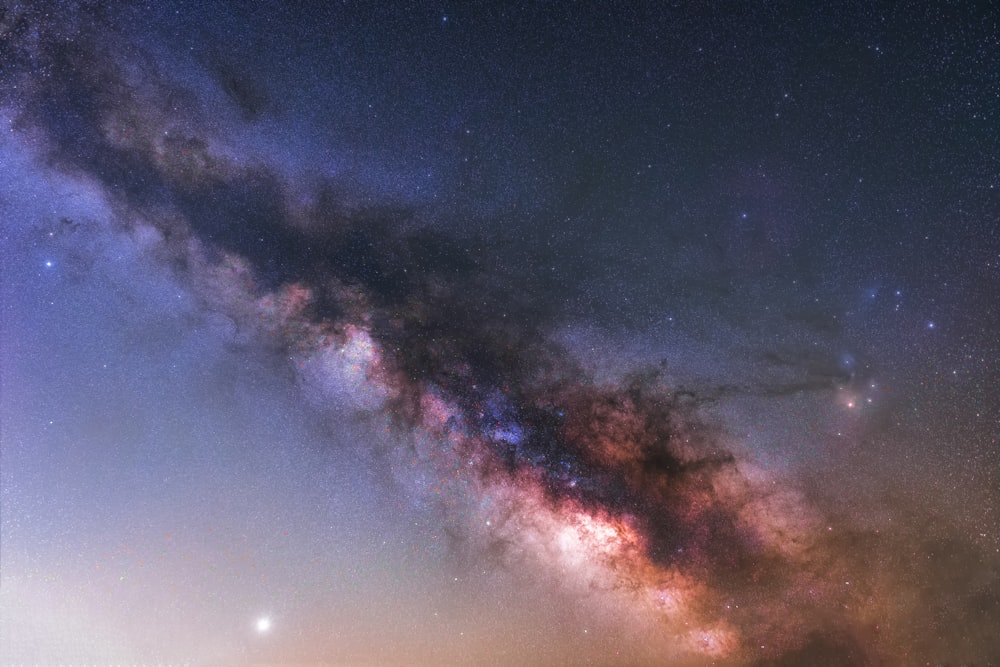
499, 333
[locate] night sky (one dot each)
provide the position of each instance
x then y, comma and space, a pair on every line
499, 334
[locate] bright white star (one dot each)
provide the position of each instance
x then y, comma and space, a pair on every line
263, 624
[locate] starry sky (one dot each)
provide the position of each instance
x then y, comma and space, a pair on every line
499, 333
